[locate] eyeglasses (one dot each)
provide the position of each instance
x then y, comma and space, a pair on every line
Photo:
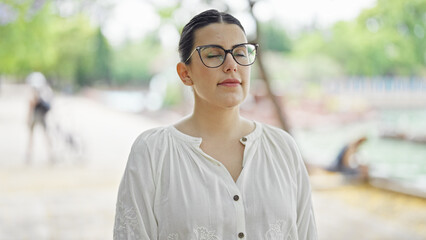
214, 56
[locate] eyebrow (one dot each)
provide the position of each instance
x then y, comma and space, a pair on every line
217, 45
237, 44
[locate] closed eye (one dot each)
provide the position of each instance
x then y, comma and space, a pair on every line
214, 56
240, 55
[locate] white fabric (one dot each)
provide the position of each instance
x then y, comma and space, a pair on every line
172, 190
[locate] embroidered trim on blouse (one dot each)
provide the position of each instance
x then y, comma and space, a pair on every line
126, 223
201, 233
173, 236
281, 230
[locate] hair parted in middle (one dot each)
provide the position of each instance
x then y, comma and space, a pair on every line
186, 42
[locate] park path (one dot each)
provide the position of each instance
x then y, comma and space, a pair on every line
75, 198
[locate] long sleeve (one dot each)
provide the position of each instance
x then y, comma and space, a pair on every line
135, 217
306, 225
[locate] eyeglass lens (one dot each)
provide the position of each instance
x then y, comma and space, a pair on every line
214, 56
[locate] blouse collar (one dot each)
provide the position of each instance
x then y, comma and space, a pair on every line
197, 140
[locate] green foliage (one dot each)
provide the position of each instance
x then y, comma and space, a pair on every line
28, 37
40, 40
388, 39
132, 61
75, 48
102, 64
309, 44
274, 38
83, 72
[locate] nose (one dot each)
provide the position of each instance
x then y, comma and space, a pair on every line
230, 65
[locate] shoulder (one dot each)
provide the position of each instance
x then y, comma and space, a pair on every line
151, 138
277, 135
149, 148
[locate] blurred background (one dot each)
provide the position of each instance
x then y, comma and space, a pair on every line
329, 72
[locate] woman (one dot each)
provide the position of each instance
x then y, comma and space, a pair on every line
214, 174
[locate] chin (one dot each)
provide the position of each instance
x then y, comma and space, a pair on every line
232, 103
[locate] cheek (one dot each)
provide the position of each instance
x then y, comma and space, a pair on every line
246, 78
200, 71
245, 75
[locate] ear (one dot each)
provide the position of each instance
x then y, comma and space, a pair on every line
183, 72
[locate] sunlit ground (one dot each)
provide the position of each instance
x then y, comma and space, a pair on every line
74, 198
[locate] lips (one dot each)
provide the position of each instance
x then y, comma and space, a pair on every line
230, 83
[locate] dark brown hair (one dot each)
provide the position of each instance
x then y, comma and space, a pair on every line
186, 42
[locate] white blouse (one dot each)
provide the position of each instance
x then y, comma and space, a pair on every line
172, 190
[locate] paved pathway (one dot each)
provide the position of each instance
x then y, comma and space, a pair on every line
75, 198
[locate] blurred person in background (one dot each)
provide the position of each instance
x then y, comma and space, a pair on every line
214, 174
347, 162
39, 106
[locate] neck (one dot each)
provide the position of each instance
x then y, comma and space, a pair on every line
214, 121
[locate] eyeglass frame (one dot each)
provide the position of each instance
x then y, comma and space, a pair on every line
198, 48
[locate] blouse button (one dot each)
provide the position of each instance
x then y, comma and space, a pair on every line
241, 235
244, 139
236, 198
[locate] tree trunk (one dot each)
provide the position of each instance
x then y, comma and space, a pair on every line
279, 109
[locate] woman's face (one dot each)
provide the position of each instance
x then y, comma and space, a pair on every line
227, 85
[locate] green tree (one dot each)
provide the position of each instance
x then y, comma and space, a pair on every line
38, 39
132, 62
26, 41
75, 50
102, 58
274, 38
388, 39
